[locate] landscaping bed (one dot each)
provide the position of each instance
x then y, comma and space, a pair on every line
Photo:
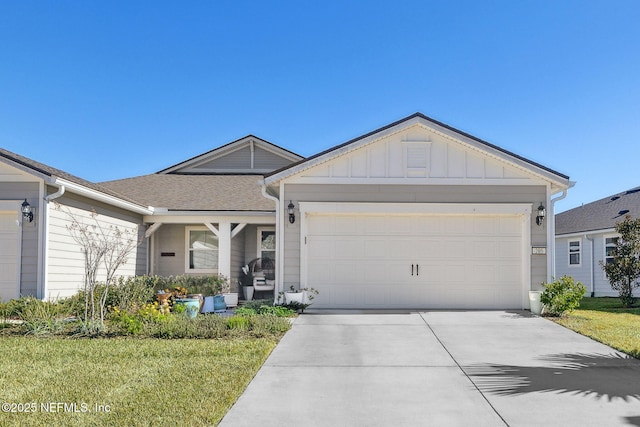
122, 356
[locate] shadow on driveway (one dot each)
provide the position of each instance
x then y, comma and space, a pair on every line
603, 376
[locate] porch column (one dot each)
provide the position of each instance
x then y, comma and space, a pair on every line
224, 249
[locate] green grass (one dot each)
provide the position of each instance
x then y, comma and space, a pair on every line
144, 382
604, 320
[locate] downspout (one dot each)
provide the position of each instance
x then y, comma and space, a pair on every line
552, 232
53, 196
279, 245
45, 246
593, 291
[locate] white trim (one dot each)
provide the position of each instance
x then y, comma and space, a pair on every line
102, 197
465, 141
586, 233
237, 230
337, 208
578, 252
152, 229
604, 251
415, 181
414, 208
213, 229
259, 241
187, 269
247, 141
213, 217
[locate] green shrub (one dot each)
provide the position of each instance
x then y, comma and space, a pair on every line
209, 327
238, 322
244, 311
276, 310
562, 296
256, 304
133, 292
42, 317
263, 326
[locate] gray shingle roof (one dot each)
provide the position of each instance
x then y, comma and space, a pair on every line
196, 192
49, 171
601, 214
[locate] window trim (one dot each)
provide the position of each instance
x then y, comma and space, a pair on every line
604, 249
578, 252
259, 241
187, 239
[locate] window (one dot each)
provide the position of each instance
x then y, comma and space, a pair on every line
267, 243
202, 250
574, 252
609, 249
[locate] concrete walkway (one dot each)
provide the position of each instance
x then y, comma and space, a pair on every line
439, 368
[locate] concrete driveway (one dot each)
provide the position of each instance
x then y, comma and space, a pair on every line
439, 368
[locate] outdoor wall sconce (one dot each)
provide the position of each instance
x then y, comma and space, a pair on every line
27, 215
541, 214
290, 210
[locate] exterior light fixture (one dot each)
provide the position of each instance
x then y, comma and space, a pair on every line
290, 210
542, 212
27, 214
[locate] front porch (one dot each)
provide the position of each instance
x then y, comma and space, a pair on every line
208, 244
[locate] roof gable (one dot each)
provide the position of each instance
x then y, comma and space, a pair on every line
59, 177
416, 149
248, 155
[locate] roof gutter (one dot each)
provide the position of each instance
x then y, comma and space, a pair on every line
95, 195
53, 196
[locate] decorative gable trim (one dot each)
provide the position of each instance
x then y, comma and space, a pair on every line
470, 159
248, 155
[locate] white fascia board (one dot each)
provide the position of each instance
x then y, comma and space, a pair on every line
416, 208
191, 217
586, 233
521, 164
101, 197
416, 181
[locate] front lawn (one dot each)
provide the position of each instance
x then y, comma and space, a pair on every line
121, 381
604, 320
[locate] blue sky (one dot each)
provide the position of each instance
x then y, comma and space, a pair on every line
113, 89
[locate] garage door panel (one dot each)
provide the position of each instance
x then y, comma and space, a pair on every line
465, 261
375, 248
10, 236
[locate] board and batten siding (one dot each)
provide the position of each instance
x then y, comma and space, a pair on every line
411, 194
66, 265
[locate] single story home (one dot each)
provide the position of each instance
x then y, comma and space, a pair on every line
415, 214
586, 236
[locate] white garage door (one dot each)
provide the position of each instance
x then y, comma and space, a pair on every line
9, 255
415, 260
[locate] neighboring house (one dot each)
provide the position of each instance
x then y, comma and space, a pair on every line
39, 257
413, 215
585, 237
